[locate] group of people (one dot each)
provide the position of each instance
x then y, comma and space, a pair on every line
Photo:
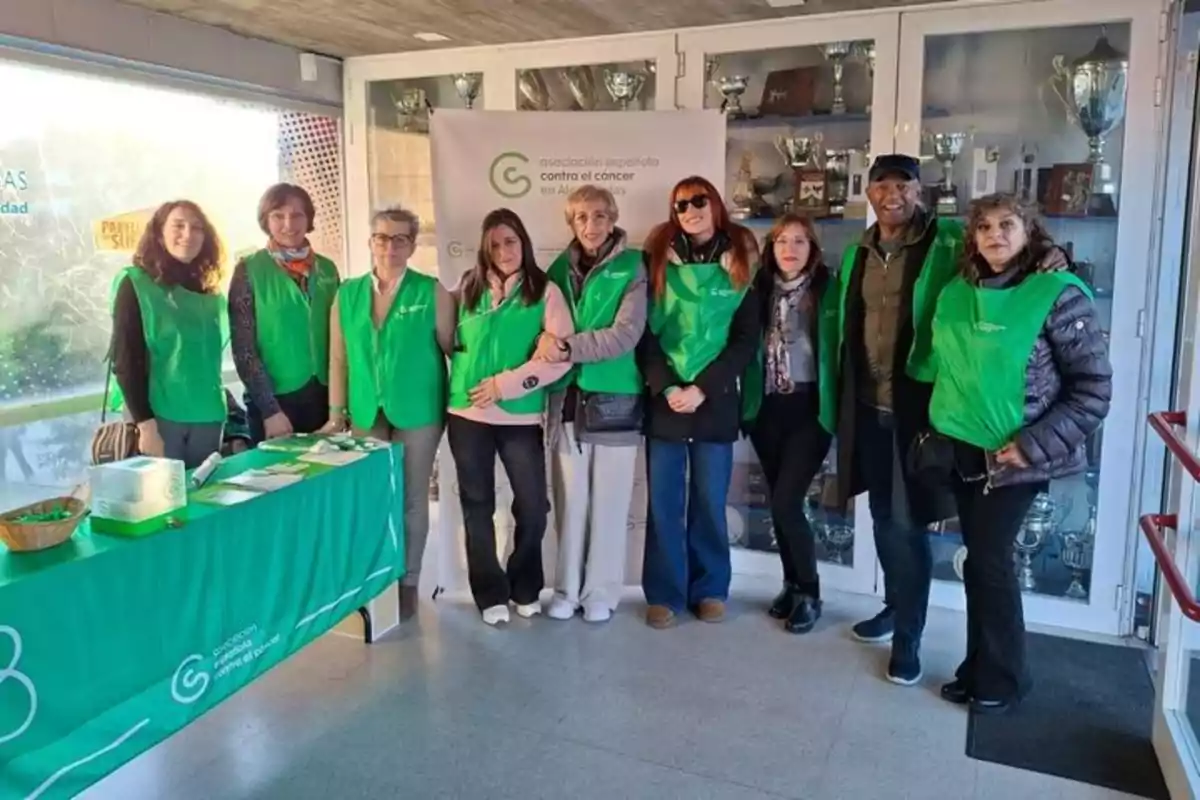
960, 368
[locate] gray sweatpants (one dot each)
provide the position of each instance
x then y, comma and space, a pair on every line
420, 450
190, 443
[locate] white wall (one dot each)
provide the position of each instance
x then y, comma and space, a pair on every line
177, 47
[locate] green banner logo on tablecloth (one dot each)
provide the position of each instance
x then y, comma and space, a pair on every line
108, 646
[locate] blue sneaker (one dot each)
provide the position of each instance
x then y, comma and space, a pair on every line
904, 668
876, 630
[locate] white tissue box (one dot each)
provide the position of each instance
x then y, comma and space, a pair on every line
135, 496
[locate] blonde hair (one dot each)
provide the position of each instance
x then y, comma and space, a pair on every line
590, 193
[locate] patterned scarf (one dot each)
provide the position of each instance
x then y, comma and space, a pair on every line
298, 261
785, 301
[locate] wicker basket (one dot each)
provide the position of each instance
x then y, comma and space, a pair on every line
26, 537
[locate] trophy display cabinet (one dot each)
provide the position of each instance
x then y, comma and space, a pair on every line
1059, 101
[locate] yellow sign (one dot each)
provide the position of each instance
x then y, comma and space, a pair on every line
121, 233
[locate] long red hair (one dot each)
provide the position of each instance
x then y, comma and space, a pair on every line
743, 249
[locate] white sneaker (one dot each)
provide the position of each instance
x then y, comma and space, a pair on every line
561, 608
494, 615
596, 612
529, 609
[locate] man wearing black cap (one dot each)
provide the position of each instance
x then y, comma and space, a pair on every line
890, 282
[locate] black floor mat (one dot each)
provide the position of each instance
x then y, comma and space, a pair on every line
1088, 719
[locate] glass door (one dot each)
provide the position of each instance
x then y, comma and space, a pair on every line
1056, 104
806, 103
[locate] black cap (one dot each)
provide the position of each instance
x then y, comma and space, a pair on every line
895, 163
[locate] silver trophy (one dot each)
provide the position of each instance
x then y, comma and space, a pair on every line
837, 53
409, 105
710, 68
535, 96
1039, 526
1092, 88
732, 87
801, 152
1078, 547
582, 83
865, 51
837, 170
946, 149
741, 196
624, 87
467, 85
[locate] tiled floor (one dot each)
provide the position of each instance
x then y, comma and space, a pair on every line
546, 709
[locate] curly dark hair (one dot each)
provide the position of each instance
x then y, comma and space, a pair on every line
152, 257
974, 266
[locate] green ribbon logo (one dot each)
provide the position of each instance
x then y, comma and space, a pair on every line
506, 177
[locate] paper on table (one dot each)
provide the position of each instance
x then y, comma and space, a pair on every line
262, 481
228, 497
338, 458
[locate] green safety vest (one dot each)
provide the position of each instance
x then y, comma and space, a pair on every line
982, 341
938, 269
826, 355
186, 333
692, 318
491, 341
399, 367
596, 309
285, 317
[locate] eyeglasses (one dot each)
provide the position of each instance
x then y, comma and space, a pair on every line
695, 201
399, 239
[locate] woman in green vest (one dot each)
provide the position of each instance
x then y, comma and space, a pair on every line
792, 403
703, 332
1022, 381
279, 304
595, 415
389, 335
497, 403
169, 334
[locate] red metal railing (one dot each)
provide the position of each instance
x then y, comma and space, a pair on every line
1154, 526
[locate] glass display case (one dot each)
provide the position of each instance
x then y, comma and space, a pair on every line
626, 86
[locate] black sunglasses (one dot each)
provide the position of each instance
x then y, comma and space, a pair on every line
695, 201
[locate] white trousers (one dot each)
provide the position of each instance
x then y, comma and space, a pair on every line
592, 486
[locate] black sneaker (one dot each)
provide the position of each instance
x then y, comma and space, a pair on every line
904, 668
804, 616
784, 602
956, 692
877, 629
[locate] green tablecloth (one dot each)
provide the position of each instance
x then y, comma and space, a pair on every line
110, 645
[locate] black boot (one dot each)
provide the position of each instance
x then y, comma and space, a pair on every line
804, 615
784, 602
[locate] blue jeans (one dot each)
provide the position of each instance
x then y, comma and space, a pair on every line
903, 548
687, 537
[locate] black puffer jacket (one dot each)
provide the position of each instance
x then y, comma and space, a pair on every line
1068, 389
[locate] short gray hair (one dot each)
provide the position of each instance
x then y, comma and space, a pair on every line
397, 214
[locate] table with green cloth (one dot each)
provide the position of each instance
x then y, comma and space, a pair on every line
109, 645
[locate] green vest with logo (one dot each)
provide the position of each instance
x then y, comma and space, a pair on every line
596, 309
826, 355
287, 320
692, 318
938, 269
982, 341
185, 334
399, 367
493, 340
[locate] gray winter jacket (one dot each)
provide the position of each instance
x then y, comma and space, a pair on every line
1068, 389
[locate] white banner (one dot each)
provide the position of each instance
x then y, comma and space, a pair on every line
529, 162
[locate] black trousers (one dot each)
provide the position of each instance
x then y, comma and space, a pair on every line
994, 667
791, 446
307, 408
521, 450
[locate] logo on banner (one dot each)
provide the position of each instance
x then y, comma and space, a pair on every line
507, 178
193, 676
11, 674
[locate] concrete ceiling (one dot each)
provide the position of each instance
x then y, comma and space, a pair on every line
367, 27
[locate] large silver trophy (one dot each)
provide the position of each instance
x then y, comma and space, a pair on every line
837, 53
410, 105
467, 84
535, 96
806, 158
946, 149
582, 83
1093, 90
1079, 546
1040, 525
837, 171
624, 86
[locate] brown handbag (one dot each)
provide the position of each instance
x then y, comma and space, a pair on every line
113, 441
